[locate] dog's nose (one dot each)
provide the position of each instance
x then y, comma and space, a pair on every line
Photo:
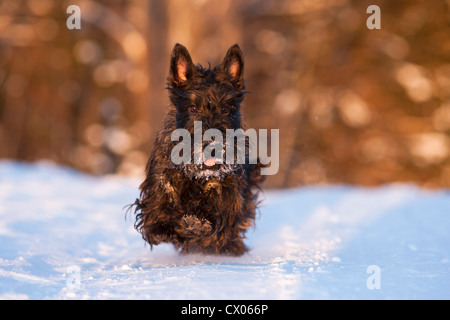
209, 123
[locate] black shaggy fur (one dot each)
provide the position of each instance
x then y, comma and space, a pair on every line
194, 207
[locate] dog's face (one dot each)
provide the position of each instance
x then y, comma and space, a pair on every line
210, 96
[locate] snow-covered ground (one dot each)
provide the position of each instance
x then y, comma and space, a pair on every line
64, 235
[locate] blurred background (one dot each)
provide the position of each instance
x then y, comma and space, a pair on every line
353, 105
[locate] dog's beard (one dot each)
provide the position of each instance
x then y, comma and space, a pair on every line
202, 172
210, 166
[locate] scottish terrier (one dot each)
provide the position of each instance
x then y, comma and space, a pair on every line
205, 206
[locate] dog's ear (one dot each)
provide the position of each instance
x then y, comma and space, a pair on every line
181, 66
233, 65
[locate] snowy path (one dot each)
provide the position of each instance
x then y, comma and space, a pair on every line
63, 235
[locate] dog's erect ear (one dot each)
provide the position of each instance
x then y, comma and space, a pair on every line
233, 65
181, 66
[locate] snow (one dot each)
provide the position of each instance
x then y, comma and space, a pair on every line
66, 235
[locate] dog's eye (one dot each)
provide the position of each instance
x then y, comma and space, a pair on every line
225, 110
193, 108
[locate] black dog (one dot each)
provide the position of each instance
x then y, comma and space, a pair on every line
205, 206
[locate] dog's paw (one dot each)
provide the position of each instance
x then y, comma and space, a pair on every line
194, 226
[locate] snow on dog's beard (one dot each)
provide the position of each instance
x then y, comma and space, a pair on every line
210, 166
202, 172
